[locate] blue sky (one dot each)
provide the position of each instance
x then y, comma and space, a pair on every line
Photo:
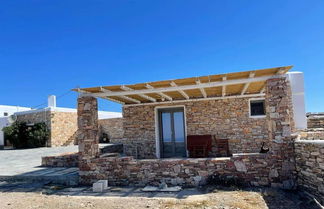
49, 47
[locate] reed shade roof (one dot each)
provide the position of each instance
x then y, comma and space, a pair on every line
222, 85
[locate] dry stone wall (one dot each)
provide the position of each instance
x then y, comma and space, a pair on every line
310, 167
226, 119
251, 169
62, 160
63, 128
62, 125
315, 120
113, 127
312, 134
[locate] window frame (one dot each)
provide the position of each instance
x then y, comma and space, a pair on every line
257, 116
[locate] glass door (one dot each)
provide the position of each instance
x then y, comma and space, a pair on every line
172, 132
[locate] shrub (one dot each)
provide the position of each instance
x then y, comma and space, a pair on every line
23, 135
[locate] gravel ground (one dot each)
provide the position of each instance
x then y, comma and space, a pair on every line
214, 198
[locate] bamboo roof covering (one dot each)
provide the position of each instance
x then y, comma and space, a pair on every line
202, 87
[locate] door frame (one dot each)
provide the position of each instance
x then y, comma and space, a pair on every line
157, 127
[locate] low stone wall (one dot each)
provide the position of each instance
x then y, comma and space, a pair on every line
315, 120
251, 168
113, 127
312, 134
310, 166
64, 160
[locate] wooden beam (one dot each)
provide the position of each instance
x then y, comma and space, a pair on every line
102, 97
179, 90
224, 87
202, 99
121, 96
141, 95
164, 96
202, 90
280, 71
185, 87
246, 85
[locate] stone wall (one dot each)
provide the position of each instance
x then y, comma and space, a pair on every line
312, 134
113, 127
310, 167
36, 117
62, 160
62, 125
63, 128
226, 119
315, 120
252, 169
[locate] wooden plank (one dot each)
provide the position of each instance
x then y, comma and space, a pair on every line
202, 90
163, 95
246, 85
180, 91
141, 95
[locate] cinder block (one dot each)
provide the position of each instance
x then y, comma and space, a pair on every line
105, 183
98, 187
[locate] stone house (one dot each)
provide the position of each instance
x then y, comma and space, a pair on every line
240, 112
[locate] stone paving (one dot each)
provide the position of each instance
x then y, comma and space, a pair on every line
24, 164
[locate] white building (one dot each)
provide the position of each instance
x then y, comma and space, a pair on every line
5, 112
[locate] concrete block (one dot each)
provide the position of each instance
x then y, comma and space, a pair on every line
98, 187
105, 183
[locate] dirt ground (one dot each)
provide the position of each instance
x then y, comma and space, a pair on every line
272, 199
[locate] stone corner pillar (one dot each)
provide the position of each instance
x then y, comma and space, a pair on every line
280, 127
88, 137
279, 109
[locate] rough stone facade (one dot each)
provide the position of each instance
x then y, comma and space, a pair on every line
88, 132
312, 134
225, 119
315, 120
62, 125
36, 117
63, 128
251, 169
310, 167
63, 160
276, 168
113, 127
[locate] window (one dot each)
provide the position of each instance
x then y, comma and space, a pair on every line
257, 108
5, 114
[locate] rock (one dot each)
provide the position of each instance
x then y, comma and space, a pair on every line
288, 184
197, 180
240, 166
273, 173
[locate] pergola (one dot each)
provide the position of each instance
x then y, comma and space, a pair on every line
221, 86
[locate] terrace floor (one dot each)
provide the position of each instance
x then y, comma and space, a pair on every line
24, 164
